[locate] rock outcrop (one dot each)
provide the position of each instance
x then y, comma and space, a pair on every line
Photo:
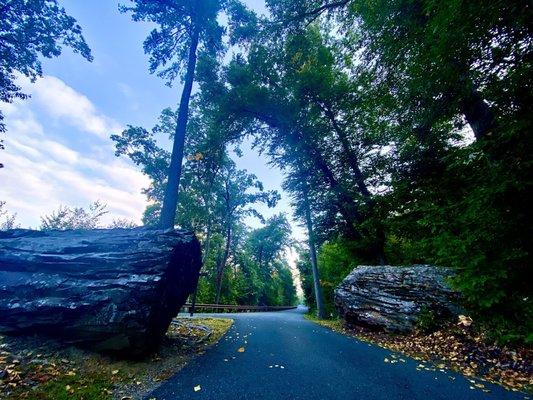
392, 298
111, 290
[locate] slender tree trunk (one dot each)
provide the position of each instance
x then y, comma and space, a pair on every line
170, 201
204, 256
478, 115
222, 266
353, 161
347, 207
321, 312
207, 241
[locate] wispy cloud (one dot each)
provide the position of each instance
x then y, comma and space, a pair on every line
43, 170
63, 102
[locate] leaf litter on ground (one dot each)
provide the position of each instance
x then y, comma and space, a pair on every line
38, 368
455, 347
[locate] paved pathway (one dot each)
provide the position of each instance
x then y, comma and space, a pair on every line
288, 357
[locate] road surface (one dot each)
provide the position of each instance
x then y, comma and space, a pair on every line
288, 357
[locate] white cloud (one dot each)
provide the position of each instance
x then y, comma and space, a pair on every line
43, 169
63, 102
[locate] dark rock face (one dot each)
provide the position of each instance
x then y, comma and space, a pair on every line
107, 289
391, 298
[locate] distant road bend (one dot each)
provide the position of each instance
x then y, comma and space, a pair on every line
287, 357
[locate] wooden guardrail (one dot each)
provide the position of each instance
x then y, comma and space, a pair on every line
223, 308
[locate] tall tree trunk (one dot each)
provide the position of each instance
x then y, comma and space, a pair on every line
207, 241
222, 266
321, 312
170, 201
478, 114
347, 207
204, 256
353, 162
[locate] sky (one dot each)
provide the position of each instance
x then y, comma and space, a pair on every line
58, 150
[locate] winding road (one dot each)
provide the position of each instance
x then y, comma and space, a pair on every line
288, 357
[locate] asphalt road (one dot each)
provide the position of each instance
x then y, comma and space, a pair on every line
288, 357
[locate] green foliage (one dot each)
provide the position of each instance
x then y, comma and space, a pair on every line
92, 387
427, 321
480, 229
336, 260
75, 218
257, 272
445, 93
404, 126
215, 198
306, 279
169, 43
7, 220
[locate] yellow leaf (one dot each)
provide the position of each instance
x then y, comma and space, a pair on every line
240, 349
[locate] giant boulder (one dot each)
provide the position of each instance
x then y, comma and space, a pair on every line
111, 290
391, 298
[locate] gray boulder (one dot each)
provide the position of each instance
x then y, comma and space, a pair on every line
111, 290
391, 298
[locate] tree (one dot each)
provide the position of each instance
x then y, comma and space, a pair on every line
7, 220
263, 276
295, 98
29, 29
236, 204
74, 218
371, 104
214, 196
321, 312
123, 223
441, 61
184, 28
436, 71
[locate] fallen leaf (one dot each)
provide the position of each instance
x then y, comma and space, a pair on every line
197, 388
240, 349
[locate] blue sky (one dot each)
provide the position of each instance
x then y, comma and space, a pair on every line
58, 149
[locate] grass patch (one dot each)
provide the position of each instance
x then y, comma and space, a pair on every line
333, 324
93, 387
33, 368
